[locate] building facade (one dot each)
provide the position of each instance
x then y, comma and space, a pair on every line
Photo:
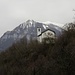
45, 34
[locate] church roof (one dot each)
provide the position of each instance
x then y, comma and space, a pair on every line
45, 31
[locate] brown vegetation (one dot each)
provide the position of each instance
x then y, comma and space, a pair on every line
53, 58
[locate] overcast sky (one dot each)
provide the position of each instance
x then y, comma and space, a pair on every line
14, 12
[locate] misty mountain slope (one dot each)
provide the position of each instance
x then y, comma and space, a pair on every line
27, 29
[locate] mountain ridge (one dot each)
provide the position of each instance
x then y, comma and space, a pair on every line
27, 29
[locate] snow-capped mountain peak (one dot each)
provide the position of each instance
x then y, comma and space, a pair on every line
29, 22
27, 29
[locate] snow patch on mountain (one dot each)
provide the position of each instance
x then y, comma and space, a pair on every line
44, 26
22, 25
48, 22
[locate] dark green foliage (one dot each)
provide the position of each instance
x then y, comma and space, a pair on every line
56, 57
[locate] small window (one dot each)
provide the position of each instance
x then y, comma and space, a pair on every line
39, 29
50, 34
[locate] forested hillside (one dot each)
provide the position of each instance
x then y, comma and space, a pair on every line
54, 58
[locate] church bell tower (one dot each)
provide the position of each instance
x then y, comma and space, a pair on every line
38, 31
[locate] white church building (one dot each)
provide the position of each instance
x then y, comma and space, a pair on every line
45, 34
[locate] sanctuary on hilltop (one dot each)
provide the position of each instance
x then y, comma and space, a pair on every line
45, 34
